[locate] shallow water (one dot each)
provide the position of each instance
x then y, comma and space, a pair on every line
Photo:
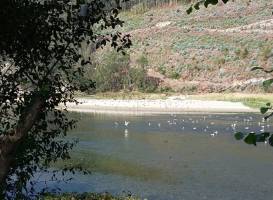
185, 156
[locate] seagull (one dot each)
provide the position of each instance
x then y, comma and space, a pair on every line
214, 133
149, 123
126, 123
159, 124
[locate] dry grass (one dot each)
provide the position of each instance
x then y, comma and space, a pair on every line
126, 95
251, 100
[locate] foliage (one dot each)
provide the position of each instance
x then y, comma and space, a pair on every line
142, 61
267, 110
87, 196
266, 52
41, 66
206, 3
113, 72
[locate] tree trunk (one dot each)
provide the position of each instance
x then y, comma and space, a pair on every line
10, 142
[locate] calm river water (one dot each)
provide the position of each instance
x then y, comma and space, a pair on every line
185, 156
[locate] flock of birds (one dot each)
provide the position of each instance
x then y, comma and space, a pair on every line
197, 125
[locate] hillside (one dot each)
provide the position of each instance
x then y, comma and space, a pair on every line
210, 50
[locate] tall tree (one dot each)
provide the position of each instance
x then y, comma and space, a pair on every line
41, 62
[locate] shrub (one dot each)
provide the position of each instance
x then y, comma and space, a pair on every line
141, 81
162, 69
142, 61
112, 72
266, 52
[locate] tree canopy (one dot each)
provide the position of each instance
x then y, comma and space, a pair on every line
44, 48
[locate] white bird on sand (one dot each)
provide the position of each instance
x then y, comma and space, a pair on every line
212, 134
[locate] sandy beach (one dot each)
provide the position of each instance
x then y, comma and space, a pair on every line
170, 105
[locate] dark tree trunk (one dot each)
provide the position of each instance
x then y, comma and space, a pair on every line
10, 142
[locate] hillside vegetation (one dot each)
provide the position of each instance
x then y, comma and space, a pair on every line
210, 50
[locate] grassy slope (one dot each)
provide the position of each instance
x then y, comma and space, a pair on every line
206, 62
200, 60
251, 100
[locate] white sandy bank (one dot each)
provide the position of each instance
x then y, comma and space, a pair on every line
157, 106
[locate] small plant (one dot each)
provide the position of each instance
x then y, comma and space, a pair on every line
266, 53
142, 61
242, 53
220, 61
162, 69
165, 89
174, 75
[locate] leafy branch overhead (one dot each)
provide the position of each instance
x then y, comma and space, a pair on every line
267, 110
45, 48
206, 3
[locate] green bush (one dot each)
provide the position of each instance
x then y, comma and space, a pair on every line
173, 75
142, 61
162, 69
112, 72
266, 52
140, 81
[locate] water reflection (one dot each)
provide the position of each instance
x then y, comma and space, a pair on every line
172, 156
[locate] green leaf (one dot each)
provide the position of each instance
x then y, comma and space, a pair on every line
267, 83
264, 110
239, 135
189, 11
207, 2
268, 104
250, 139
270, 140
256, 68
262, 137
196, 6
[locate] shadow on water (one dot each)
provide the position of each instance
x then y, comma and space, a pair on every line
109, 164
